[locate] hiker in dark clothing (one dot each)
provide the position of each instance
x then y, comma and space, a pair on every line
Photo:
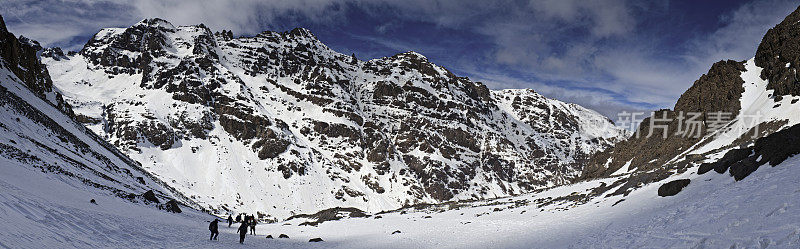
230, 220
239, 218
253, 225
214, 229
242, 232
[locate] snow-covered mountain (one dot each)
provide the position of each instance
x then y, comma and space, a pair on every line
279, 123
38, 136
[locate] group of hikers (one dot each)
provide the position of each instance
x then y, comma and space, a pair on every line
248, 223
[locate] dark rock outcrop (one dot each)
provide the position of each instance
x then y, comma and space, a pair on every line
726, 161
743, 168
779, 146
673, 187
315, 240
718, 90
329, 215
150, 196
20, 57
171, 206
779, 55
773, 149
705, 168
283, 236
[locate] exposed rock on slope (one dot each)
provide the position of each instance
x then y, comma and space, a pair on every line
280, 123
20, 56
772, 149
779, 55
673, 187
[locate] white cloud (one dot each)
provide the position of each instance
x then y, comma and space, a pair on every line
742, 32
599, 100
58, 23
246, 16
650, 74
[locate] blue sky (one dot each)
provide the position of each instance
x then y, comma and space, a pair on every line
606, 55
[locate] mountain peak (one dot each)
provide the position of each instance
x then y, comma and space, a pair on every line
411, 55
302, 32
777, 55
155, 22
2, 25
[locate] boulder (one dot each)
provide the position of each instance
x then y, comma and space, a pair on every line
396, 232
150, 196
773, 149
743, 168
171, 206
315, 240
269, 236
673, 187
730, 158
283, 236
705, 168
778, 146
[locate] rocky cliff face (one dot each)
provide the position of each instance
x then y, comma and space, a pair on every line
21, 57
280, 123
758, 96
779, 55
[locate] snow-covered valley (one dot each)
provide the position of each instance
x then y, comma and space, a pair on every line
714, 211
151, 132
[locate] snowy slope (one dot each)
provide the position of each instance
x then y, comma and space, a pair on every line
714, 211
39, 136
281, 124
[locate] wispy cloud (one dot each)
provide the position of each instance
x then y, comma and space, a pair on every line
246, 16
603, 101
63, 22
